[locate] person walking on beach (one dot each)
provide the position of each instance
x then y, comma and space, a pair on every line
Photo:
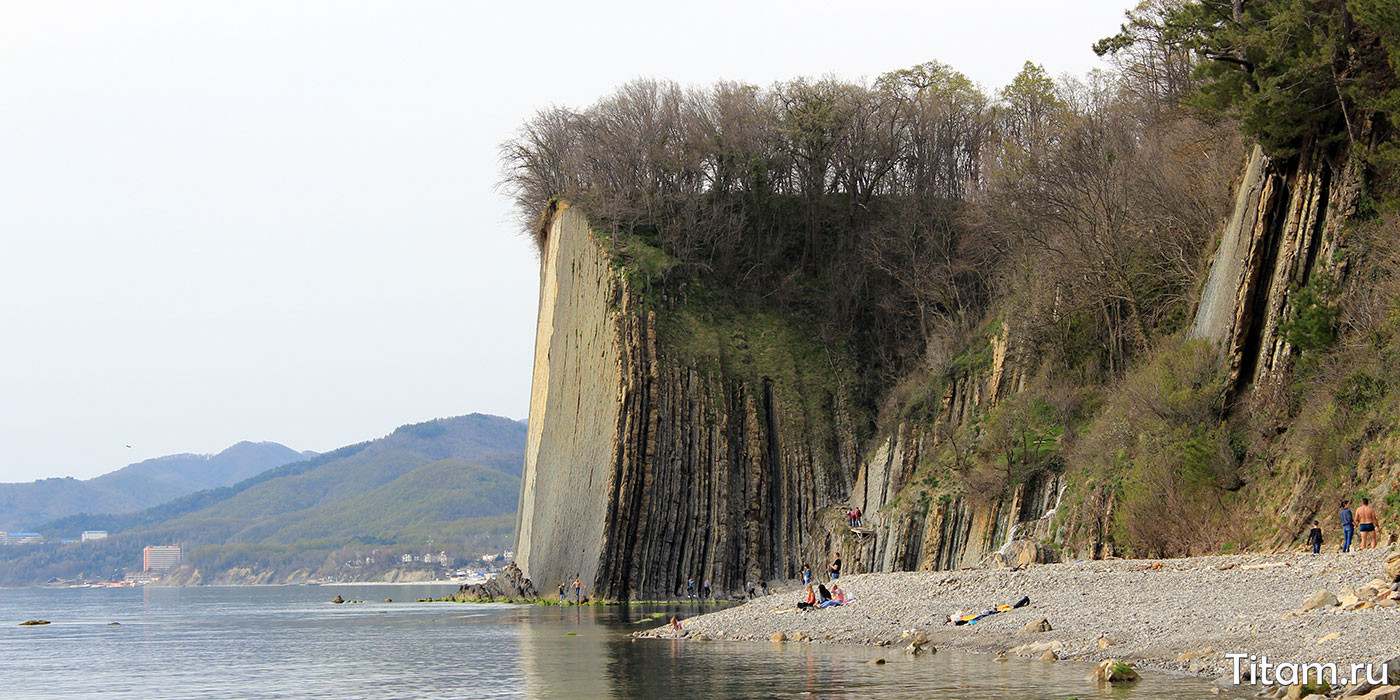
1315, 537
1366, 523
763, 586
562, 595
836, 567
690, 587
705, 589
578, 591
1346, 525
806, 574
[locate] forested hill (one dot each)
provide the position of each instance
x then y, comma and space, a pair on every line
24, 506
978, 313
453, 481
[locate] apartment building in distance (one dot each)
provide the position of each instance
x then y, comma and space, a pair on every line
92, 535
20, 538
160, 557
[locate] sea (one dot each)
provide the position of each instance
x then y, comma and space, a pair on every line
264, 642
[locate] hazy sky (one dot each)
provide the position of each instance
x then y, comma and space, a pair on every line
277, 220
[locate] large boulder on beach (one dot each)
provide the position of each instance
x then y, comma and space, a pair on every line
1392, 567
1320, 599
1113, 671
1041, 625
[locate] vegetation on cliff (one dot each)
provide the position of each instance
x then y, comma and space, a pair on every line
1047, 242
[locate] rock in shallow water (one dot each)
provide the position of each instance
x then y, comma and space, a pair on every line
1113, 671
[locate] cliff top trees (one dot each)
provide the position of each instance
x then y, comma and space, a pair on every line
1293, 71
891, 214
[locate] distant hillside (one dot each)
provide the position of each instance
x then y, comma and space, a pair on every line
449, 480
137, 486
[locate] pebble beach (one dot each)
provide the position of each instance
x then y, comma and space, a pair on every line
1179, 615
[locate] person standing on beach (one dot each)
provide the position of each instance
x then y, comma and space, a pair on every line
836, 567
578, 591
690, 587
1346, 526
806, 574
1315, 537
1366, 523
562, 595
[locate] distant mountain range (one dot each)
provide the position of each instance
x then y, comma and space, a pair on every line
448, 480
25, 506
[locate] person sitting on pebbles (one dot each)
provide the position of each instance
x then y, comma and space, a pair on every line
811, 600
838, 597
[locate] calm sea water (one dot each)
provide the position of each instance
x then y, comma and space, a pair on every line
291, 642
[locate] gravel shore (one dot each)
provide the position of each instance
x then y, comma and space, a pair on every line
1174, 614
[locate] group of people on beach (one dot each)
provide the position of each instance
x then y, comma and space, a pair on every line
819, 596
852, 516
1363, 522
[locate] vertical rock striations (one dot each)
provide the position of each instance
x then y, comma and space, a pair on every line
645, 467
1286, 225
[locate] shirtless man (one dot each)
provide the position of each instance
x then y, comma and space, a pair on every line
1366, 523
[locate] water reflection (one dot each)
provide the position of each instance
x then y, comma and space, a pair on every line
601, 660
292, 643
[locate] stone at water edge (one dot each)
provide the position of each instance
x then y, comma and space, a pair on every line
920, 638
778, 637
32, 623
1113, 671
878, 661
1041, 625
1049, 656
1320, 599
337, 600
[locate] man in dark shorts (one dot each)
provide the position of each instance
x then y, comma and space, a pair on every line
1366, 523
836, 567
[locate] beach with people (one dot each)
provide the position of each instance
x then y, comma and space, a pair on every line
1183, 615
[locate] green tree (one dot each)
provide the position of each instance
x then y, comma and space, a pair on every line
1292, 71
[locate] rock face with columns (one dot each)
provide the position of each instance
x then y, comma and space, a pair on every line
648, 464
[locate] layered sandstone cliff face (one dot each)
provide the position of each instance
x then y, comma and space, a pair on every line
1285, 227
957, 530
650, 461
643, 467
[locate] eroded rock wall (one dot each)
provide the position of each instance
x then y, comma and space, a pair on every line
643, 467
571, 447
1285, 225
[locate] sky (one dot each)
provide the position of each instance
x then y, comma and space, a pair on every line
226, 221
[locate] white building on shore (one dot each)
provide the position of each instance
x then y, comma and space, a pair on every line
92, 535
